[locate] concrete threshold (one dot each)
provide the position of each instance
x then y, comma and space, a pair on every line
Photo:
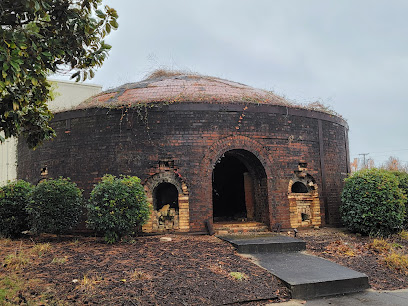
309, 276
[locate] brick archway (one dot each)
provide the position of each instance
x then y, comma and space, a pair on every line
256, 159
183, 214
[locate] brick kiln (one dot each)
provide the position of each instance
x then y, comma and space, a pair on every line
207, 150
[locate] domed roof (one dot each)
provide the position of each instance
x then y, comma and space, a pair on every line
171, 87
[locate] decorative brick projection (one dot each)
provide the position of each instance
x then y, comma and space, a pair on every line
187, 139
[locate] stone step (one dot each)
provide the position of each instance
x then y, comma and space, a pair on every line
225, 228
309, 276
238, 224
264, 242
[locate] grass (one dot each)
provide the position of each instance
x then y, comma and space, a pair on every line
22, 257
380, 245
15, 290
89, 283
59, 260
397, 261
5, 241
76, 242
403, 235
41, 249
238, 276
9, 286
138, 275
16, 260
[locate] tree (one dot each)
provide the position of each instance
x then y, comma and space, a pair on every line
38, 38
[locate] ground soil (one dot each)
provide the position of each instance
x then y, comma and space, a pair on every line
358, 253
188, 270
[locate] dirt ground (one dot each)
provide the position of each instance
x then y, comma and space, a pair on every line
188, 270
364, 254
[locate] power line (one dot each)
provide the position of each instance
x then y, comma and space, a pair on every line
389, 151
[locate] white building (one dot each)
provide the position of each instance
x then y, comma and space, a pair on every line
67, 96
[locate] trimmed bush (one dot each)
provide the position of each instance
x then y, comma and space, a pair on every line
373, 204
55, 206
14, 198
117, 206
403, 184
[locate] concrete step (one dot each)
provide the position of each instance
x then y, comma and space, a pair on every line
264, 242
308, 276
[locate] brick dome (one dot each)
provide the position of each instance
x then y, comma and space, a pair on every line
171, 87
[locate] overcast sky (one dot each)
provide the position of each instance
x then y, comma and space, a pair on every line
349, 55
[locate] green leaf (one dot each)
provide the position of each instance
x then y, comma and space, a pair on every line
100, 14
49, 39
114, 23
15, 65
76, 74
47, 54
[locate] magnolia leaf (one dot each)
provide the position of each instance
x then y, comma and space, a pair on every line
114, 23
46, 41
108, 28
75, 74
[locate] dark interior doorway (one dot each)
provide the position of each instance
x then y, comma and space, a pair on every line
163, 194
228, 190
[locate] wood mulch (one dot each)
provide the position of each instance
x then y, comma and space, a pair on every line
188, 270
357, 252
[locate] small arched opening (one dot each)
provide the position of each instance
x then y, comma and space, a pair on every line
165, 194
304, 204
169, 199
299, 187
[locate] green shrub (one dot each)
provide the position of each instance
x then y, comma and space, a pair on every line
14, 198
117, 206
403, 184
55, 206
373, 204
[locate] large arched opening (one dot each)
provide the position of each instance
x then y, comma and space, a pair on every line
239, 188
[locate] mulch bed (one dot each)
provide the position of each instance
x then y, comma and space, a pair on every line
356, 252
188, 270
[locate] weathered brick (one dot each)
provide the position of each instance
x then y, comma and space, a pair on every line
275, 139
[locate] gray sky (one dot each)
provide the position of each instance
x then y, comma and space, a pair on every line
350, 55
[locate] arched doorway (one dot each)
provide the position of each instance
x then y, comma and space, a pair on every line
239, 188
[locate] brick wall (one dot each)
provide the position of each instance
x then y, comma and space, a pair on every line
193, 136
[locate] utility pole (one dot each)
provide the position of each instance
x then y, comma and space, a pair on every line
364, 157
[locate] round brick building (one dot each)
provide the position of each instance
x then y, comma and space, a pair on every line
207, 150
